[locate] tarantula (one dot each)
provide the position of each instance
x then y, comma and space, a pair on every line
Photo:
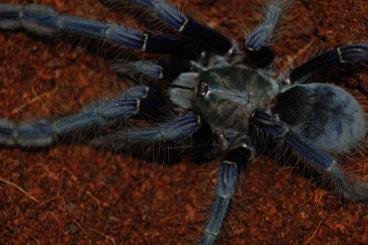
214, 81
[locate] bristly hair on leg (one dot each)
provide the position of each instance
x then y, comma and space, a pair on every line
140, 13
265, 32
137, 68
346, 185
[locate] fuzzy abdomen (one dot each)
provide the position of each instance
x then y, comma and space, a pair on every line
326, 115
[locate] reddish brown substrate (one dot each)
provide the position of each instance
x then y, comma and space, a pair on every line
84, 196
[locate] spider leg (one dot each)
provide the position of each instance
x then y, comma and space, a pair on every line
264, 32
183, 24
349, 189
342, 55
270, 125
44, 20
259, 54
178, 128
42, 133
317, 159
226, 184
153, 69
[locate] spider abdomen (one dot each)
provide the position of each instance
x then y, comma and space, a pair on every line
324, 114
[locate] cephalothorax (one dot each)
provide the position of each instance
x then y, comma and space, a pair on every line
212, 82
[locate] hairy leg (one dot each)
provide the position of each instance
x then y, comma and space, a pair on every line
259, 54
270, 125
349, 54
43, 132
236, 160
180, 127
317, 159
43, 20
153, 69
265, 31
187, 26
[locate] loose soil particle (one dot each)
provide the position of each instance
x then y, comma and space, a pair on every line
74, 194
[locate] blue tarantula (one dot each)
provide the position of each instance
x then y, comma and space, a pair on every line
213, 82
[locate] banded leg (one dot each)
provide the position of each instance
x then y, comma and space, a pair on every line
318, 160
178, 128
344, 55
44, 20
226, 184
43, 133
183, 24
